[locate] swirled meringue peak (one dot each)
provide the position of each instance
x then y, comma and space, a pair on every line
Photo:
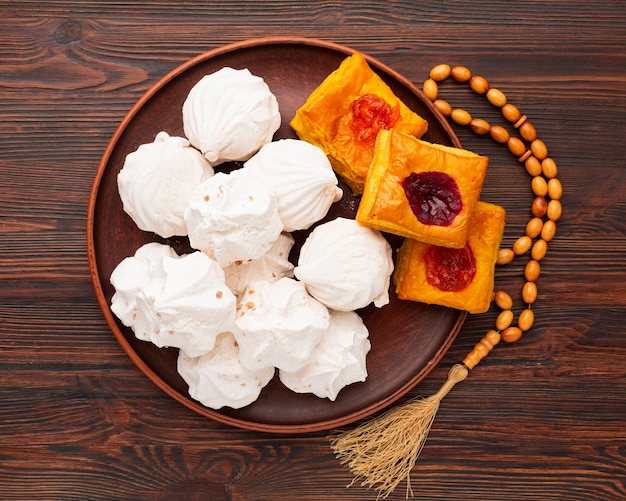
338, 360
278, 325
228, 115
171, 300
218, 379
303, 179
233, 217
271, 266
157, 180
346, 266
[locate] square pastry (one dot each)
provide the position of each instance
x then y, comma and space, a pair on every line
457, 278
421, 190
343, 115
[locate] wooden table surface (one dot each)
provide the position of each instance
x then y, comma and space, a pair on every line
544, 418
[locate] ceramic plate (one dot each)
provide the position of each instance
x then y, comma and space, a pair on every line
407, 338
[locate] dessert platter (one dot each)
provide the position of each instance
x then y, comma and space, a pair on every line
405, 338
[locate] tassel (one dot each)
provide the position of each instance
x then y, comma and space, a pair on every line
383, 450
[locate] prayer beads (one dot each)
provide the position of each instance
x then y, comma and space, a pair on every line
546, 207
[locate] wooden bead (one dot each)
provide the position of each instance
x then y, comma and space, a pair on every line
511, 334
549, 168
504, 320
529, 292
539, 207
516, 146
525, 156
511, 113
430, 89
443, 106
492, 337
533, 166
499, 134
480, 126
481, 349
539, 149
521, 121
555, 209
461, 117
549, 230
534, 226
479, 84
539, 250
532, 270
521, 245
526, 320
496, 97
503, 300
505, 256
555, 189
461, 74
440, 72
539, 186
527, 131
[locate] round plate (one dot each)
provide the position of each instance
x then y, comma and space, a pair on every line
407, 338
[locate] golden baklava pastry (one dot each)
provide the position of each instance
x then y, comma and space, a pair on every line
421, 190
344, 114
457, 278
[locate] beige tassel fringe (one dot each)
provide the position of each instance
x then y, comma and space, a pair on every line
383, 450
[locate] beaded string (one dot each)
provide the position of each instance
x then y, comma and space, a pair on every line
546, 207
382, 451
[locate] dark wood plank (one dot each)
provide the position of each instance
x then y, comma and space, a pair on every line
544, 418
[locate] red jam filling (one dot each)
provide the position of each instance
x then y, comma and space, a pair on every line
434, 197
450, 270
371, 113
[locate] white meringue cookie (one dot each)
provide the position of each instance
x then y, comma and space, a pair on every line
130, 277
271, 266
303, 180
346, 266
170, 300
279, 325
233, 217
157, 180
217, 379
338, 360
230, 114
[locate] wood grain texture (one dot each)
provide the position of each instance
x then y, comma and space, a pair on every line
544, 418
